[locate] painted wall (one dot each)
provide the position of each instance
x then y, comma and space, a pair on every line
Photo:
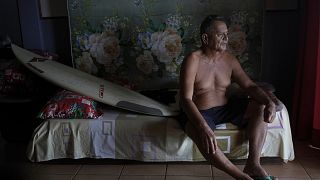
50, 34
9, 21
142, 43
280, 40
280, 55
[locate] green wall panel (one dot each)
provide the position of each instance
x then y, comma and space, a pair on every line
141, 43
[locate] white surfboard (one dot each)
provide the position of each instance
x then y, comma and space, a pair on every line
91, 86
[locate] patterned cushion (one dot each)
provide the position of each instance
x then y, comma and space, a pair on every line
66, 104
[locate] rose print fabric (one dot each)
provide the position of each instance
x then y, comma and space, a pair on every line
69, 105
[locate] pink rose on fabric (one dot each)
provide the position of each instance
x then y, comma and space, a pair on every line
104, 47
145, 62
85, 63
166, 45
237, 41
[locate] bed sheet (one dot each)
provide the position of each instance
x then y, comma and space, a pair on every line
122, 134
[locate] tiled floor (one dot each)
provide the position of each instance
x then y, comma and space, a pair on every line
305, 166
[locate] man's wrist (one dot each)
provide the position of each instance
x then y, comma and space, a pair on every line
271, 103
202, 126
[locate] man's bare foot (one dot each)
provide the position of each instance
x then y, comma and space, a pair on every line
255, 170
244, 177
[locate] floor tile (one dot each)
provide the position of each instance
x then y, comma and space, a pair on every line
290, 178
20, 168
305, 167
15, 152
144, 170
11, 176
95, 177
101, 169
218, 173
290, 169
50, 177
223, 178
188, 178
142, 177
311, 165
57, 169
189, 170
302, 149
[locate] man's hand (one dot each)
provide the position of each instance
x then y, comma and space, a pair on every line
208, 140
277, 102
269, 112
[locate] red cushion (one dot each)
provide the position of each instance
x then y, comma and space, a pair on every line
70, 105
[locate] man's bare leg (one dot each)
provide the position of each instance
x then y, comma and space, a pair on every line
256, 132
218, 159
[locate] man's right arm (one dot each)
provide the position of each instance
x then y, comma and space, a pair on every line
259, 95
187, 79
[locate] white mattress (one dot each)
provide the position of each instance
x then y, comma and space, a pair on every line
125, 135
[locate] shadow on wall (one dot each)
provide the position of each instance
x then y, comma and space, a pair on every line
55, 37
280, 54
48, 34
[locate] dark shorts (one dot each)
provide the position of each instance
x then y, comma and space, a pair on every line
232, 112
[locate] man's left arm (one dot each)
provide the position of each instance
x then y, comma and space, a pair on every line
253, 90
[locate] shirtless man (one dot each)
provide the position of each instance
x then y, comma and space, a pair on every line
204, 78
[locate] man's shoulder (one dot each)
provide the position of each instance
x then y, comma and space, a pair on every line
232, 60
229, 56
194, 56
191, 60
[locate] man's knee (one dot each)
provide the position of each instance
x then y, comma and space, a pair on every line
254, 110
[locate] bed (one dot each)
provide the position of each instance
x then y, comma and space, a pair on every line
125, 135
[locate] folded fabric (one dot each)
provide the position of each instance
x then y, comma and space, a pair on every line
70, 105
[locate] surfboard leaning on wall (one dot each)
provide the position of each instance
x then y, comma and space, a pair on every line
89, 85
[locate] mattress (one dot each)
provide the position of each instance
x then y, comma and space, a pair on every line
120, 134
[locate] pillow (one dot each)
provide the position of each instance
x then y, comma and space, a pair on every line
69, 105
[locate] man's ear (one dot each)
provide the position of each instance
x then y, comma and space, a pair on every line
204, 38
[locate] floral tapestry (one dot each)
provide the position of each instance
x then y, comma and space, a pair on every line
141, 44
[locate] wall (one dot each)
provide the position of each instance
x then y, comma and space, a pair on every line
280, 41
281, 36
50, 34
9, 21
144, 42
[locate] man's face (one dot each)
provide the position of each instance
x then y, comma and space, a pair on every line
218, 37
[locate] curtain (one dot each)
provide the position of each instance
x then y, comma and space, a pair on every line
306, 100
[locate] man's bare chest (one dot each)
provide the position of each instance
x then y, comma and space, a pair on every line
212, 76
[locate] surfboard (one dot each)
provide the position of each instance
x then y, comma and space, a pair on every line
86, 84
